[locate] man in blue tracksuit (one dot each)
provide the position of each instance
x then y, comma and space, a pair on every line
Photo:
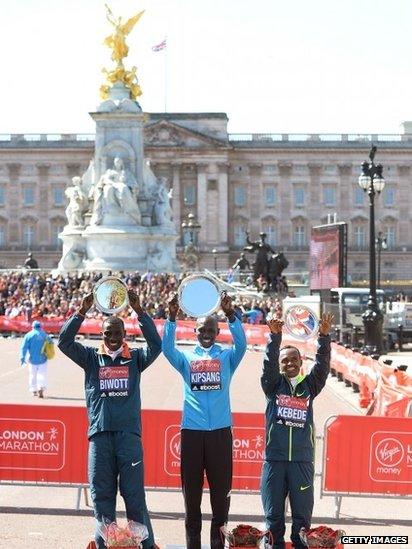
290, 435
206, 435
33, 343
112, 386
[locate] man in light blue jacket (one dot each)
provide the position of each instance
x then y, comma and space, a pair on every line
32, 345
206, 435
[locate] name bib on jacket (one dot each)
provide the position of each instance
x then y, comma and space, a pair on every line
114, 381
205, 375
291, 411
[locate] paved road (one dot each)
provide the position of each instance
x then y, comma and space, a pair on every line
41, 518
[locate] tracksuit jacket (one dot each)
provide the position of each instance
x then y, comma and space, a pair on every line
290, 434
206, 389
33, 343
113, 403
290, 441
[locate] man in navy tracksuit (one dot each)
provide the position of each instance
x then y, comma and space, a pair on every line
290, 433
112, 386
206, 435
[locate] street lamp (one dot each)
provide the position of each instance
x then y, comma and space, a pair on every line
214, 252
190, 229
371, 181
381, 244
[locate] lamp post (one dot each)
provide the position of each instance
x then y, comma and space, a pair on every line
190, 229
214, 252
372, 182
380, 245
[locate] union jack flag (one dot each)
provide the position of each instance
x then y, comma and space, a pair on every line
159, 47
301, 320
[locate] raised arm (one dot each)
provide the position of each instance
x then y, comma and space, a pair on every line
149, 331
67, 344
320, 371
238, 349
173, 355
271, 371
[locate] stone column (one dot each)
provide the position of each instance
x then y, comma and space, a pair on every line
202, 201
314, 209
254, 198
176, 195
402, 203
223, 209
285, 196
14, 200
344, 192
44, 206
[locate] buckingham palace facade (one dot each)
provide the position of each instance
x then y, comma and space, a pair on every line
281, 184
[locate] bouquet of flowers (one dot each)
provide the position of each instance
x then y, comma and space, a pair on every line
131, 535
243, 536
322, 536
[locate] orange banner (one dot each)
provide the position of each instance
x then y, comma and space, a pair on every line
377, 461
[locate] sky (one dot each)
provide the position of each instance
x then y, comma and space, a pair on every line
277, 66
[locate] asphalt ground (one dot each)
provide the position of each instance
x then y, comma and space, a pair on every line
45, 517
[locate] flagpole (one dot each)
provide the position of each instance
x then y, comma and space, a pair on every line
165, 75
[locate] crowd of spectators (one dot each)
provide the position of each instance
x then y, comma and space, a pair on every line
35, 295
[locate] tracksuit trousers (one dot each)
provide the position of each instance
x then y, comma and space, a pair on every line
210, 452
116, 457
282, 478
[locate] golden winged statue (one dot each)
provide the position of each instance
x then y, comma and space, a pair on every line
117, 40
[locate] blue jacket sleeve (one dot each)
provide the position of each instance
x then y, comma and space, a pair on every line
320, 371
173, 355
24, 347
271, 371
238, 348
154, 343
71, 348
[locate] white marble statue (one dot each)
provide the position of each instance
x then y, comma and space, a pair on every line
78, 203
127, 175
112, 196
162, 209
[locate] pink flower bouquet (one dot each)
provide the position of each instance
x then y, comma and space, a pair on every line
131, 535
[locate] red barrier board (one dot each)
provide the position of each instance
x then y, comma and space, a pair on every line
378, 459
49, 444
255, 334
43, 443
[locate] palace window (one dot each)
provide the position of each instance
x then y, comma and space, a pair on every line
240, 196
58, 196
299, 196
28, 196
270, 196
329, 195
299, 236
189, 196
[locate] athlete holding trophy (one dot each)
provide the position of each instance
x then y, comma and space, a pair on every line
112, 386
288, 469
206, 434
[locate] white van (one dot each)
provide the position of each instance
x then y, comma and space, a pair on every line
351, 303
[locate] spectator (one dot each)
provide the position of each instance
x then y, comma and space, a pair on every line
33, 343
30, 262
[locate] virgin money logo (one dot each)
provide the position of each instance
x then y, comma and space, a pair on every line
389, 452
174, 446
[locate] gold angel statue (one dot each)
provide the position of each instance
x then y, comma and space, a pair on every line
117, 40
